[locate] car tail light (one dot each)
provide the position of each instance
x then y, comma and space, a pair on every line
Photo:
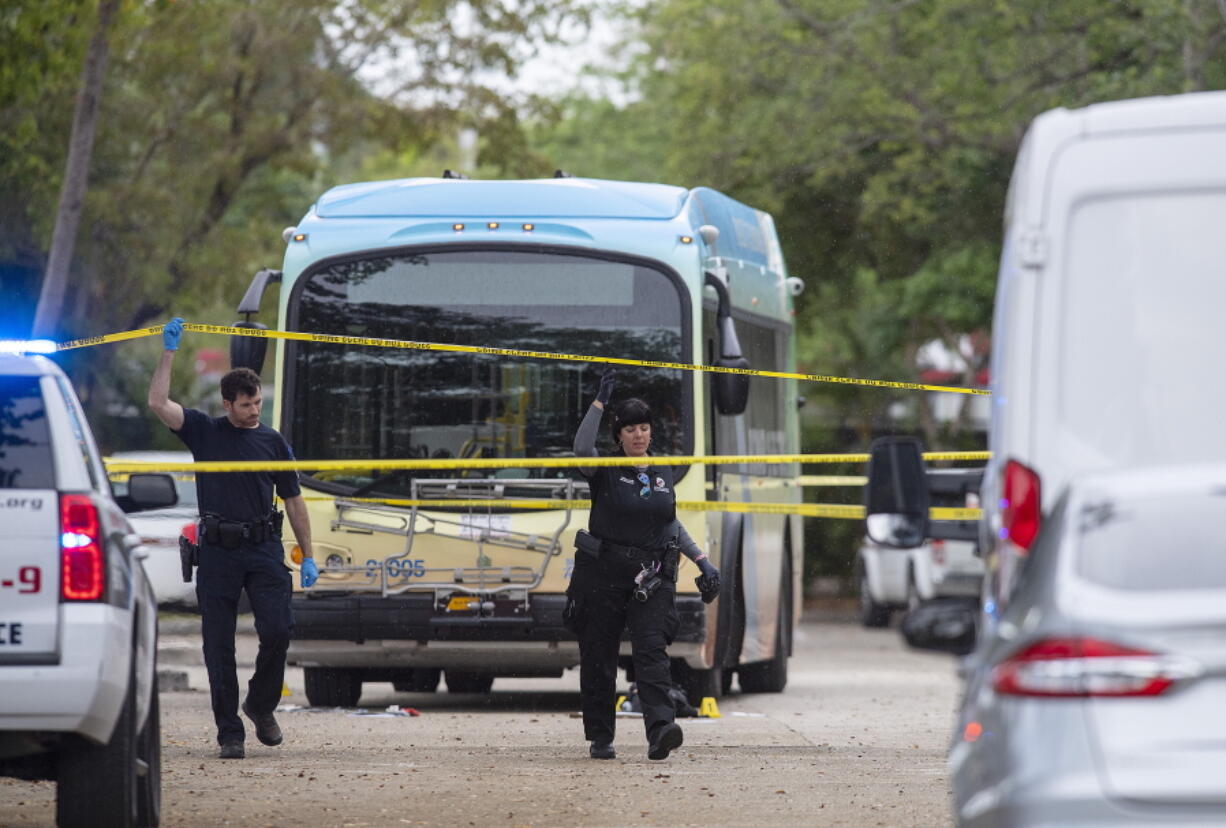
82, 560
1083, 667
937, 552
1020, 504
190, 532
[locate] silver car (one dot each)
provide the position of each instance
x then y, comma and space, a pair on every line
159, 529
1100, 697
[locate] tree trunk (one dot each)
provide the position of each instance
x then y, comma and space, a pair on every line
76, 175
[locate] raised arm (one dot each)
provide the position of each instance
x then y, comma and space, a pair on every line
585, 437
166, 409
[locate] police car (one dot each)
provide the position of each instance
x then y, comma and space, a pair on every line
78, 619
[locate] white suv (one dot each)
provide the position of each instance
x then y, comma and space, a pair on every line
78, 619
892, 579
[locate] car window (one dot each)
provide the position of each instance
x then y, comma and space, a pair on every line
186, 484
26, 461
78, 430
1172, 542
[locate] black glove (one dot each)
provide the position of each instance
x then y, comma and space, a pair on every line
708, 582
606, 386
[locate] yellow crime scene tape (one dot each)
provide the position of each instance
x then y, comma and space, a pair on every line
823, 510
506, 462
804, 509
831, 480
259, 333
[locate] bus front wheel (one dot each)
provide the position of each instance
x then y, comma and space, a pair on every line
332, 687
417, 680
459, 681
698, 684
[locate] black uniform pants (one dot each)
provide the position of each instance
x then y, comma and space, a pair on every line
602, 589
221, 577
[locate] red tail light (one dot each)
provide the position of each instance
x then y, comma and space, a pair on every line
1083, 667
1021, 505
189, 531
82, 560
937, 552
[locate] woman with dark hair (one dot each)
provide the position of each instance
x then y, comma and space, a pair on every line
625, 575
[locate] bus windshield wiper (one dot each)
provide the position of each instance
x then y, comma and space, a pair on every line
378, 481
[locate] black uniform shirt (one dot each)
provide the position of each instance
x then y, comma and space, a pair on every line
624, 513
242, 496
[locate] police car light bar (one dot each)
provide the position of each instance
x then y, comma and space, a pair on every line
27, 346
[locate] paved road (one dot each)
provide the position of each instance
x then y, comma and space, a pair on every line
858, 739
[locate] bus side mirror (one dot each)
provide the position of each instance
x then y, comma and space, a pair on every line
249, 351
731, 390
896, 498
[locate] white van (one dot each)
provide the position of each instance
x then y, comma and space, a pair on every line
1108, 349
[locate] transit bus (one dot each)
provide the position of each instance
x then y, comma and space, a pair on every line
409, 594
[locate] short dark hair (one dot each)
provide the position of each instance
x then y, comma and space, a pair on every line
629, 412
240, 381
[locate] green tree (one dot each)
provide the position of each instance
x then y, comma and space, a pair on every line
880, 134
219, 124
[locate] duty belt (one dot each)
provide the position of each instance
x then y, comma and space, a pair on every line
231, 534
632, 553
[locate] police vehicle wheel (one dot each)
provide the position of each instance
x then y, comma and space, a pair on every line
97, 784
149, 781
418, 680
331, 687
459, 681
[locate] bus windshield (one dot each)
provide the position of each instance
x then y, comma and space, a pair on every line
350, 402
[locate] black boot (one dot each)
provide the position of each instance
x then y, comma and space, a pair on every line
602, 750
667, 739
266, 728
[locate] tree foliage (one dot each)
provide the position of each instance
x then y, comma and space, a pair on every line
880, 134
219, 124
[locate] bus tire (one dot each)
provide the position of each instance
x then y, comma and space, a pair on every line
461, 681
698, 684
418, 680
332, 687
772, 676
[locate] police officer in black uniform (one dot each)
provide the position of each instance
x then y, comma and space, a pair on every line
240, 544
625, 575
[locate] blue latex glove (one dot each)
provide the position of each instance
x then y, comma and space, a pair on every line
607, 381
171, 333
309, 573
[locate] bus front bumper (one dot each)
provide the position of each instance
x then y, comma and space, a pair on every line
407, 631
